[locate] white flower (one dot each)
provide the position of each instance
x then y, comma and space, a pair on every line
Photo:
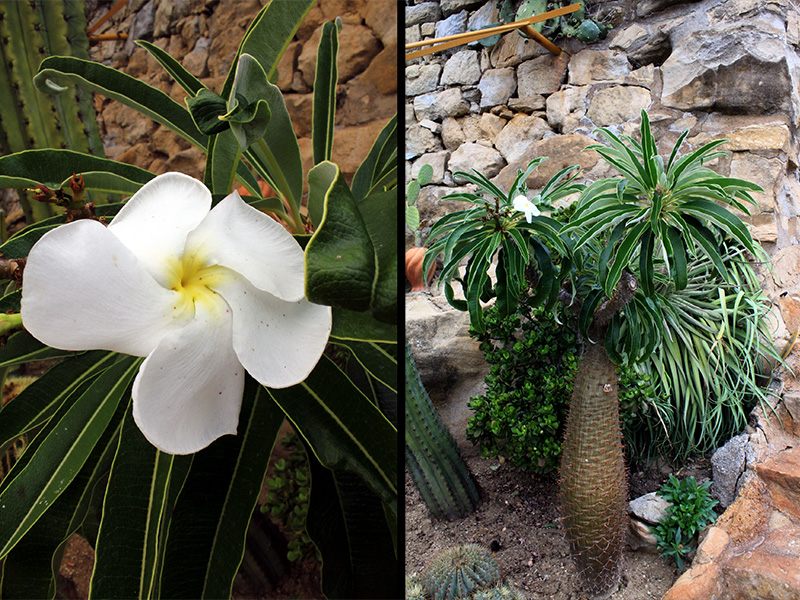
522, 204
204, 294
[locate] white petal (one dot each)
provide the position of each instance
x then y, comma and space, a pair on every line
520, 203
237, 236
156, 220
82, 290
189, 390
278, 342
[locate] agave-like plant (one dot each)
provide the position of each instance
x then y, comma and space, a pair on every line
628, 236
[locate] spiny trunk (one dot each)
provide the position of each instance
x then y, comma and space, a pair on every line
594, 487
593, 477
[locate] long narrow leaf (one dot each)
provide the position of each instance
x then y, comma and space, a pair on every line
62, 454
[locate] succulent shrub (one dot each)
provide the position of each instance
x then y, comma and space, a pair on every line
532, 363
691, 510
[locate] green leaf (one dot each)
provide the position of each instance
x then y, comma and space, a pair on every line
22, 347
269, 34
62, 454
361, 326
37, 402
186, 80
425, 174
379, 211
678, 256
380, 360
348, 524
324, 109
135, 500
224, 153
622, 258
412, 217
379, 169
54, 167
340, 258
277, 153
206, 108
646, 272
344, 429
248, 109
30, 570
207, 531
128, 90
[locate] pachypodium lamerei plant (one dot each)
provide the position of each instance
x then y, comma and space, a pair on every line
187, 314
629, 236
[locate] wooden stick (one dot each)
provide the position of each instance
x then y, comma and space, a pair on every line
471, 36
541, 40
107, 37
106, 16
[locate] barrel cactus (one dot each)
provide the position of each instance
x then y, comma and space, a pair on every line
458, 572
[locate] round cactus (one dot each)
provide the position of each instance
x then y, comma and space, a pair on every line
458, 572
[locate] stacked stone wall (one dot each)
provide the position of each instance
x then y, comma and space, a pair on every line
719, 68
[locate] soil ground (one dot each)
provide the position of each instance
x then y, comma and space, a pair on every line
519, 521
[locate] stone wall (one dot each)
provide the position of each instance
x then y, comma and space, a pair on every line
719, 68
205, 34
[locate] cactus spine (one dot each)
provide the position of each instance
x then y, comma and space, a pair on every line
432, 457
458, 572
501, 592
29, 32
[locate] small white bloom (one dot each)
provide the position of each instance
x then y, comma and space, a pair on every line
204, 294
522, 204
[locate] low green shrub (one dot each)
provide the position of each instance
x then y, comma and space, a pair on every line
532, 363
692, 510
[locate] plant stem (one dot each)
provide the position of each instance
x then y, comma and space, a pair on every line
9, 322
283, 186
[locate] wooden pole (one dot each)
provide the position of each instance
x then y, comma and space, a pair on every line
458, 39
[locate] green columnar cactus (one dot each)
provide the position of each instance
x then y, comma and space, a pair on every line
29, 32
458, 572
432, 457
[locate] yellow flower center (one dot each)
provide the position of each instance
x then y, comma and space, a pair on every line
193, 279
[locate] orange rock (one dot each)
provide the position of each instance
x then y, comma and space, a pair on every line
782, 476
703, 582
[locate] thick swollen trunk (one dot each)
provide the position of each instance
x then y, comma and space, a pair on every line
594, 486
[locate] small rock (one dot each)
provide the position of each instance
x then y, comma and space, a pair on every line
462, 68
496, 86
420, 140
452, 25
426, 12
519, 135
487, 161
421, 79
437, 105
541, 75
618, 104
650, 508
727, 464
592, 66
